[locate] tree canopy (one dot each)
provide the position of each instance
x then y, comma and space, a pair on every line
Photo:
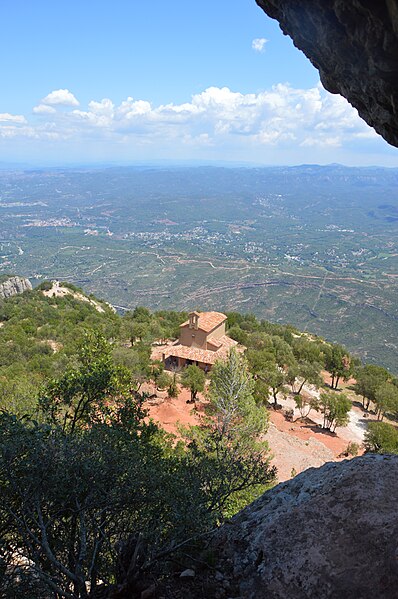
193, 378
94, 492
229, 449
381, 437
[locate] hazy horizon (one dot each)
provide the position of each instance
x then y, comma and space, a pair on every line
177, 83
169, 163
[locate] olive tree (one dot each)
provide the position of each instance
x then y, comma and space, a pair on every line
193, 378
386, 399
335, 409
305, 404
381, 437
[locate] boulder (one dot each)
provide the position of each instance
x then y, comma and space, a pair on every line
331, 532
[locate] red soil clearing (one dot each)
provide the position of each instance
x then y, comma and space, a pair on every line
306, 430
171, 412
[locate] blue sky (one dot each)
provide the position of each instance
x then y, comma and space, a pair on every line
125, 81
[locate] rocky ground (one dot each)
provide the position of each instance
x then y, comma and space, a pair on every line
296, 447
58, 290
14, 286
328, 533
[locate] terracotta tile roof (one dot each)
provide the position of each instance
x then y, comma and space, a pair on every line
227, 343
192, 353
205, 356
208, 320
213, 341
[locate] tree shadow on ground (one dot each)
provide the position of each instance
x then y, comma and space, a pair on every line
318, 428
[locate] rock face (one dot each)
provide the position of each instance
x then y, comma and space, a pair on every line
330, 532
354, 45
13, 286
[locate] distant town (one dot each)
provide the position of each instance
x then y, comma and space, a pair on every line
315, 246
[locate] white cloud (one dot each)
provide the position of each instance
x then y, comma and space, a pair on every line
131, 108
367, 134
6, 117
60, 96
100, 114
218, 122
45, 132
280, 115
105, 107
258, 44
309, 142
44, 109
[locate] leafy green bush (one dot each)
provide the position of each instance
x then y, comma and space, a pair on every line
381, 437
45, 286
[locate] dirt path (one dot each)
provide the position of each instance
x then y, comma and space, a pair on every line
354, 431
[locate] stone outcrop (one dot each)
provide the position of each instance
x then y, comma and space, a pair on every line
330, 532
14, 286
354, 45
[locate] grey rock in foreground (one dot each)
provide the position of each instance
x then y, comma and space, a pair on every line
331, 532
14, 286
354, 45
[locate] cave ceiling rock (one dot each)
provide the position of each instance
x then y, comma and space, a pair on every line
354, 45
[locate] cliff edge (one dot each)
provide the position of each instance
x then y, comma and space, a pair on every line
13, 286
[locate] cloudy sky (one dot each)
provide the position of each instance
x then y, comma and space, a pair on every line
127, 81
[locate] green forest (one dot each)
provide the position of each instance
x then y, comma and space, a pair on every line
95, 495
